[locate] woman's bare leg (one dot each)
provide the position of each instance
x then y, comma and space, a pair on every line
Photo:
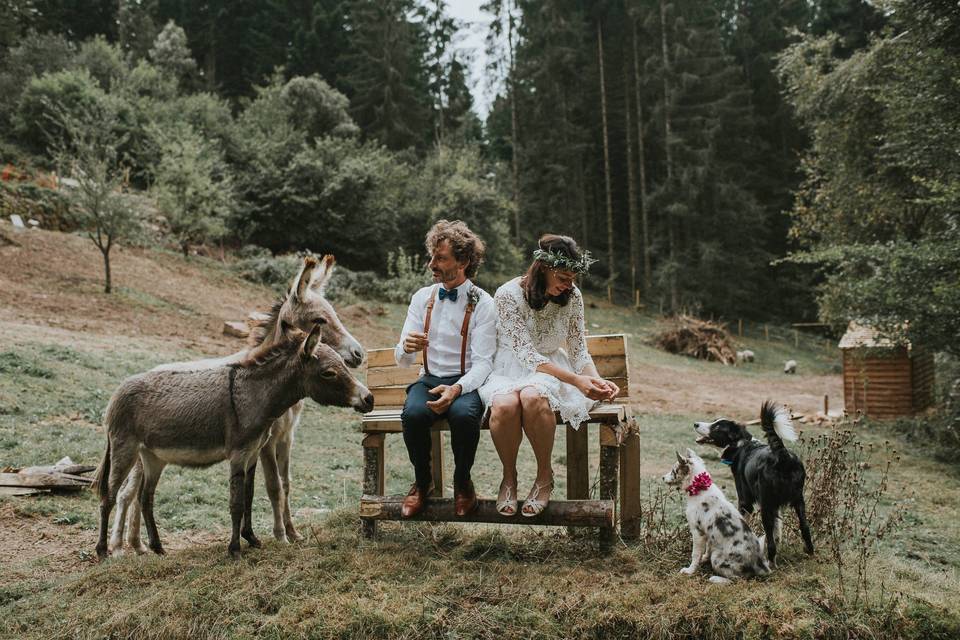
507, 433
541, 428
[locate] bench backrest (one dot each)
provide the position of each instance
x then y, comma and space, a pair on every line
388, 382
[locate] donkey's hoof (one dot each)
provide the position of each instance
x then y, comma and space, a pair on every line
102, 551
252, 540
280, 534
139, 549
234, 552
293, 535
158, 549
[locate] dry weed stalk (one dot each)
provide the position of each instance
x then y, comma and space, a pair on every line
843, 505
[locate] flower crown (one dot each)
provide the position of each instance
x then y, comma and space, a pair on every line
560, 261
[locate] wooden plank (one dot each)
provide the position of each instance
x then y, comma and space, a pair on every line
624, 385
578, 513
391, 376
611, 366
387, 420
389, 396
607, 345
385, 358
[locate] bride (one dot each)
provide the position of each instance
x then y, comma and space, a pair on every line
533, 376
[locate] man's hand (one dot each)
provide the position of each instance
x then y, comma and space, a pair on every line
415, 341
447, 393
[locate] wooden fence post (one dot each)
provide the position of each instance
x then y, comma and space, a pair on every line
610, 439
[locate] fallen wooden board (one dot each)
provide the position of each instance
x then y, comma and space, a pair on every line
19, 491
235, 329
44, 480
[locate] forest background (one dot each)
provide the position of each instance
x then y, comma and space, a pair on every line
767, 159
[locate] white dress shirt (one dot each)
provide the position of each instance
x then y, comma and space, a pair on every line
446, 320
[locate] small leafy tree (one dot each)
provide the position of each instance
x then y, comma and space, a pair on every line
192, 186
171, 53
86, 149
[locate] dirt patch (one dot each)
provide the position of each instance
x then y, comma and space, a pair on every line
38, 548
692, 392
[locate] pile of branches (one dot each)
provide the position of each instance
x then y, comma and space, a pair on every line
697, 338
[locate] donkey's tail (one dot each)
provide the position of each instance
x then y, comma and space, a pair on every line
101, 481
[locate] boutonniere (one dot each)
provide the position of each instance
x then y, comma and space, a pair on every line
473, 297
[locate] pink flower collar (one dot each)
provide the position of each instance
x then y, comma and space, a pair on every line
701, 482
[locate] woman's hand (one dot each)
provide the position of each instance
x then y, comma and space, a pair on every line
593, 388
612, 389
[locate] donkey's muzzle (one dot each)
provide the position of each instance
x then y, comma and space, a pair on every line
365, 404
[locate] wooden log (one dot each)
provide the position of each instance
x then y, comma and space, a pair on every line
580, 513
236, 329
373, 475
630, 507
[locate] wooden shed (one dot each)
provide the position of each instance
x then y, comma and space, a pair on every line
883, 378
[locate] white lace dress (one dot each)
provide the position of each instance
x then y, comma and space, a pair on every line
527, 339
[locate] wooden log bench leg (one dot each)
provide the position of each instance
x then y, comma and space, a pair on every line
578, 467
630, 508
373, 475
610, 439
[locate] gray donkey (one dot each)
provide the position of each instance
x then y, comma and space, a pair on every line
199, 417
303, 307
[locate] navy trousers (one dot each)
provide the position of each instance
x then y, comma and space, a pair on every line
463, 416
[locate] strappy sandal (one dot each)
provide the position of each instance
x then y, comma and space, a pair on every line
508, 506
533, 500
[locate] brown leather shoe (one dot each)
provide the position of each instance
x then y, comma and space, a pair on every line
465, 500
413, 503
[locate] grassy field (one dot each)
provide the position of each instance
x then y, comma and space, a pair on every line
420, 580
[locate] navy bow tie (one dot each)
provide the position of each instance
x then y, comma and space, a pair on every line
452, 294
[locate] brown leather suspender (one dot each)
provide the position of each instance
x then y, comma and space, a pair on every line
426, 325
463, 332
463, 338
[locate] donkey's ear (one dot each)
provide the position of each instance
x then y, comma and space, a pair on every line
310, 343
321, 276
680, 458
691, 454
300, 284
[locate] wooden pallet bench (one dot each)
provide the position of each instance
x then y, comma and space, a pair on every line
618, 462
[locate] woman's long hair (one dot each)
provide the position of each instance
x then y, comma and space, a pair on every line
534, 282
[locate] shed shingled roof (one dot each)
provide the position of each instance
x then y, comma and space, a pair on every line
861, 335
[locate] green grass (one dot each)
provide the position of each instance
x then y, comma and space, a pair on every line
443, 580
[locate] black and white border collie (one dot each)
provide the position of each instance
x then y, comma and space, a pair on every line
766, 475
720, 534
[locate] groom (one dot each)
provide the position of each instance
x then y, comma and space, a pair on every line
453, 323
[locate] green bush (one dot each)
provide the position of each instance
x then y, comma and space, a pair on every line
48, 206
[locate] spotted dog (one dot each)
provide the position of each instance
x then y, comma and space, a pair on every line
720, 534
768, 475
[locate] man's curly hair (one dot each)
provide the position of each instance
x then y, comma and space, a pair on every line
464, 243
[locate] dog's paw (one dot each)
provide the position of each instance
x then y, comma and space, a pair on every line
720, 580
687, 571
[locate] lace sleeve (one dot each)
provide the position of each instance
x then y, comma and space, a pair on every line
514, 330
576, 334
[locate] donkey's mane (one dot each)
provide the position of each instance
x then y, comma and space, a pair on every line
266, 353
260, 329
